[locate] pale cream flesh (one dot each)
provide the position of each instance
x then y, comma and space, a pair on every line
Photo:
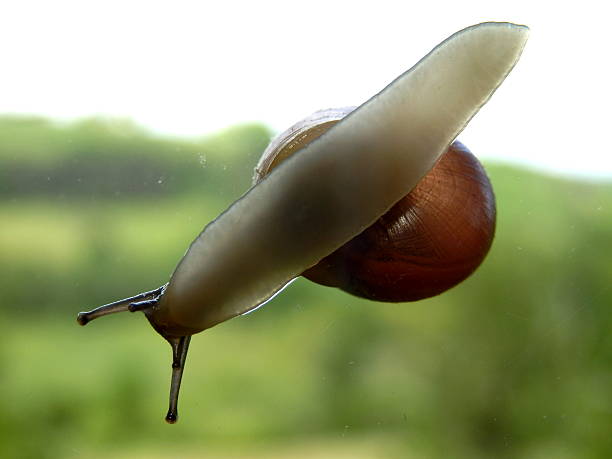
341, 183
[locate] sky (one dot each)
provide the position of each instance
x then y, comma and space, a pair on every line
188, 68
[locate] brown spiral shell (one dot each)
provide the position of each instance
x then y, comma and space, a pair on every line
428, 242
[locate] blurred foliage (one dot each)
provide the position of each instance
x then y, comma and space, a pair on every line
514, 362
101, 158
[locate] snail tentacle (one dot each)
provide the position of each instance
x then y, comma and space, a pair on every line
83, 318
180, 346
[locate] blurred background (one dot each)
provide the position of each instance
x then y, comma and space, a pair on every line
126, 127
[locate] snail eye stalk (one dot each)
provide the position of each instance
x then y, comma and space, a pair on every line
134, 303
180, 346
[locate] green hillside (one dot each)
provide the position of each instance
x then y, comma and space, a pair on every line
514, 362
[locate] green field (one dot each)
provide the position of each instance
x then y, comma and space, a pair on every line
514, 362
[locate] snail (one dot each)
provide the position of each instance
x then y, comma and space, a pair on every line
333, 196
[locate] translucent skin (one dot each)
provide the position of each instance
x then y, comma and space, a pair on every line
338, 185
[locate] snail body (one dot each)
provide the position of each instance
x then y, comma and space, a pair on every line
307, 208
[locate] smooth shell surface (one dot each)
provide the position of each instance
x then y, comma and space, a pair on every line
335, 188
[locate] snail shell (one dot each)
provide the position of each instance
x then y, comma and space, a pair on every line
428, 242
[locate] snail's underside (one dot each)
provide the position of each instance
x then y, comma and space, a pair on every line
340, 183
